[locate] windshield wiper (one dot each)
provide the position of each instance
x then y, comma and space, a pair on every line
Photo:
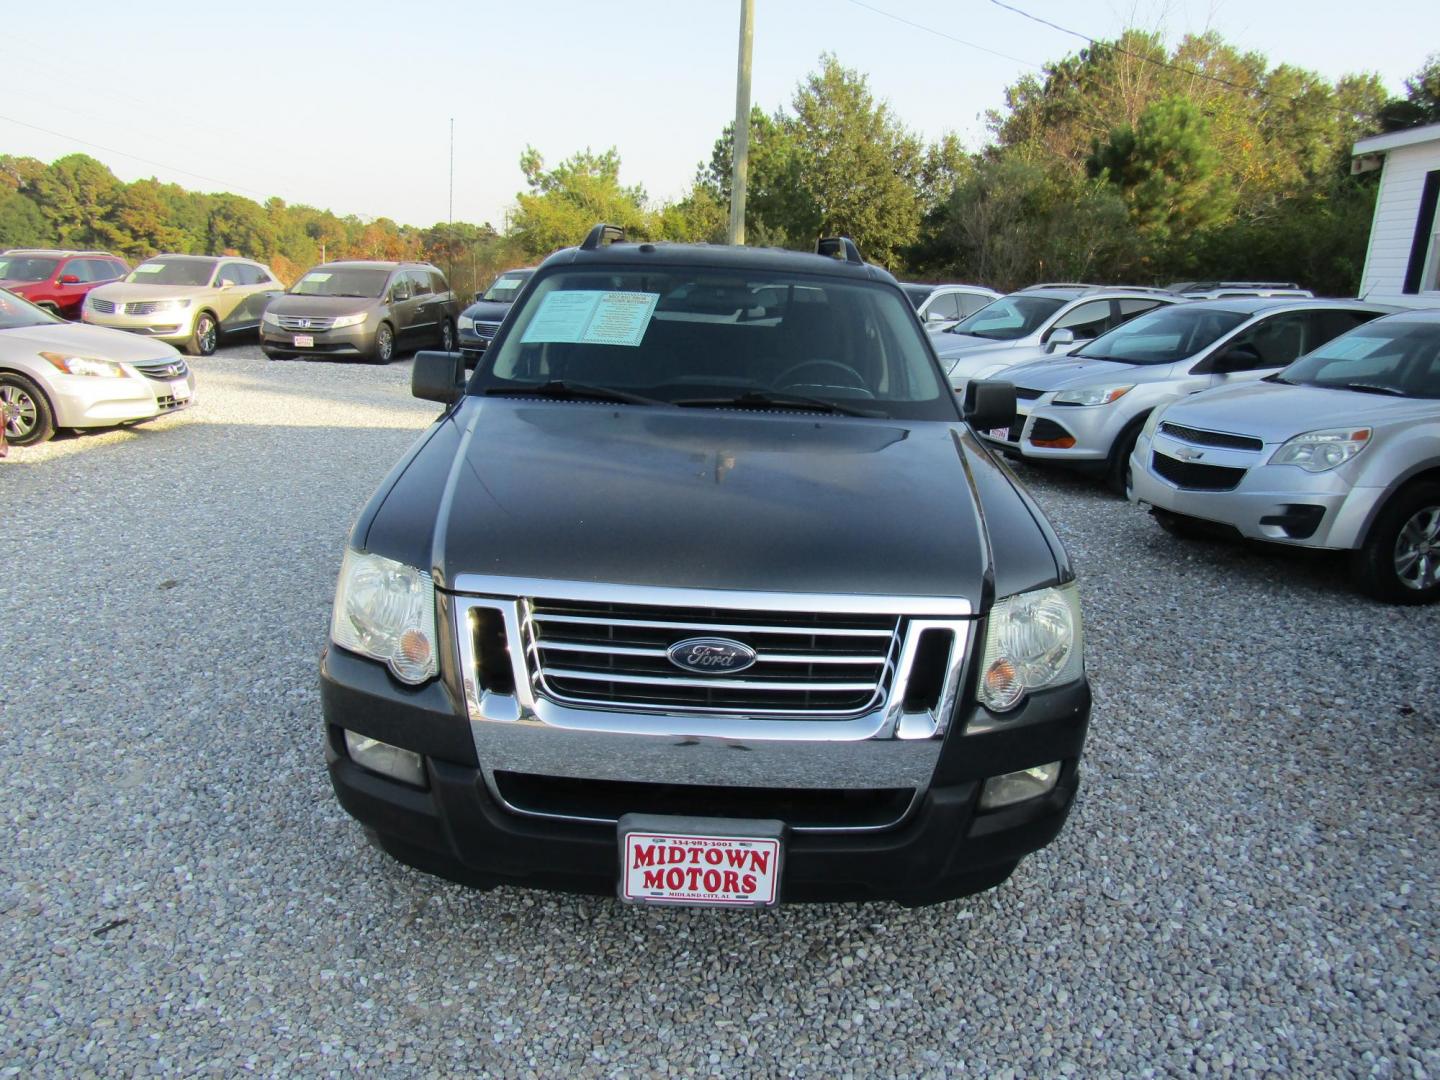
561, 390
1373, 388
764, 399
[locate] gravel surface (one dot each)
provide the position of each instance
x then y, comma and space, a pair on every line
1247, 885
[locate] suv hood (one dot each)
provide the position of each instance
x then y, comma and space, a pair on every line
710, 500
948, 344
1275, 412
122, 292
1065, 373
328, 306
487, 311
82, 339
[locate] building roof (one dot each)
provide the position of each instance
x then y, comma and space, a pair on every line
1378, 144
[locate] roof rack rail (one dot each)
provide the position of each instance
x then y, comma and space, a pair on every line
602, 234
1061, 285
839, 247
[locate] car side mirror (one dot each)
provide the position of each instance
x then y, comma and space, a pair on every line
1057, 338
397, 294
988, 403
69, 279
438, 376
935, 316
1237, 358
479, 296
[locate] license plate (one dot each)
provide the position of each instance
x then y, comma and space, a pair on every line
702, 862
180, 391
304, 341
1002, 433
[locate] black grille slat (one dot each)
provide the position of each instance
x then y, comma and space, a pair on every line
1211, 438
1196, 476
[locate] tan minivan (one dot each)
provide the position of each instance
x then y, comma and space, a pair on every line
365, 310
189, 301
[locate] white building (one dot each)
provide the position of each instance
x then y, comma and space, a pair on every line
1402, 265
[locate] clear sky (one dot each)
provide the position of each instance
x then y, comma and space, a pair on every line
347, 106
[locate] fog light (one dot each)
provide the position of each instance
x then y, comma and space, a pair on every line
1018, 786
387, 760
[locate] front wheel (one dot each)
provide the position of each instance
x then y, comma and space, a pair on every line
1400, 560
24, 410
447, 336
1117, 469
383, 349
205, 336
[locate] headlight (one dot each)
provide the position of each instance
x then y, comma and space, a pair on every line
1032, 640
1320, 451
350, 320
386, 610
1100, 395
270, 319
85, 365
172, 305
465, 322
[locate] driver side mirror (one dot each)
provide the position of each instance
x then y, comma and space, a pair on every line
988, 404
1057, 338
935, 315
1240, 357
69, 279
399, 292
438, 376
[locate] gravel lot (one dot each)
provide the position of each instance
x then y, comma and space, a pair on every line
1247, 886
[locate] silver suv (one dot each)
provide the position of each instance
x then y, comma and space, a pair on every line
1040, 321
1341, 451
1087, 409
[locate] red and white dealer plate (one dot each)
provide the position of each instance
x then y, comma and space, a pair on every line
708, 871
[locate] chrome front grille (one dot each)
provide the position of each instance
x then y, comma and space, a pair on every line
305, 322
486, 330
163, 370
147, 307
105, 307
616, 656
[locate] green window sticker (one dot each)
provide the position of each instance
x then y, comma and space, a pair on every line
592, 317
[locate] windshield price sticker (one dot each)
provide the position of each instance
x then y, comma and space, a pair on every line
1352, 348
150, 268
592, 317
726, 871
317, 276
508, 283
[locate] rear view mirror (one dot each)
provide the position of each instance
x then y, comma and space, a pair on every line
988, 404
438, 376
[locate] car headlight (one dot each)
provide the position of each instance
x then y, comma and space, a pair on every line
1100, 395
386, 610
1032, 640
1320, 451
465, 322
85, 365
270, 319
172, 305
349, 320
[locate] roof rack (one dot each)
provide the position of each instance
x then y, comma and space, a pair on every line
839, 247
1086, 287
602, 234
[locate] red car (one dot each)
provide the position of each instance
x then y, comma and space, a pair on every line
58, 280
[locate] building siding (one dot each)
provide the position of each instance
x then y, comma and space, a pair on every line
1393, 231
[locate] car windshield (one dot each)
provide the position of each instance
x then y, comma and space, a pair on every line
506, 287
342, 281
1009, 318
1400, 359
698, 336
27, 268
916, 294
1163, 336
16, 313
173, 272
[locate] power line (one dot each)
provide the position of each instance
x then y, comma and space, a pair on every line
943, 34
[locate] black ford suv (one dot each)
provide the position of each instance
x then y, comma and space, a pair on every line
702, 590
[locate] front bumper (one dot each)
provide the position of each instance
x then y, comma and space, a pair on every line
83, 401
172, 327
1081, 434
1279, 503
462, 827
346, 341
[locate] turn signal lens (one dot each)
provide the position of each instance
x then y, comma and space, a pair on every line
1032, 640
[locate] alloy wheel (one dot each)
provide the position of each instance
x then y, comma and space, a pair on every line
1417, 550
206, 335
19, 411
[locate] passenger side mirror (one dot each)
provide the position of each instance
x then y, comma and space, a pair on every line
988, 404
438, 376
1056, 338
69, 279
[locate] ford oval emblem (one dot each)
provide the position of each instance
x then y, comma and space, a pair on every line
711, 655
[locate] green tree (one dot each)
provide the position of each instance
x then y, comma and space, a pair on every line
1421, 103
22, 223
78, 196
141, 218
563, 203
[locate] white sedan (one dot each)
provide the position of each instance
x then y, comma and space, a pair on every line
57, 374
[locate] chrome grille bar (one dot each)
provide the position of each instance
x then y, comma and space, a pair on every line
711, 627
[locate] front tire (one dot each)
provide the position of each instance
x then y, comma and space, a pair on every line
382, 351
1399, 562
25, 411
205, 336
1117, 469
447, 336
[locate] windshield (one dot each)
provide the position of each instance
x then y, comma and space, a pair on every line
1400, 358
1009, 318
27, 268
706, 337
346, 281
506, 287
173, 272
16, 313
1163, 336
916, 294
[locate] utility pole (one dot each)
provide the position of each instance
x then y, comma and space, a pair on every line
740, 174
450, 225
